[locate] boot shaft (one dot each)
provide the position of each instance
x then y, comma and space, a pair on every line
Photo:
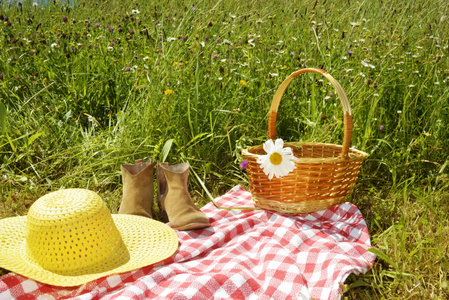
137, 189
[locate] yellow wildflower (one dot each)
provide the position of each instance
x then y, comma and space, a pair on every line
168, 92
243, 82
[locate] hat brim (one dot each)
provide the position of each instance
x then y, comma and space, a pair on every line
148, 242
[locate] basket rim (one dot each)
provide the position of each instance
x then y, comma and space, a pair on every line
353, 154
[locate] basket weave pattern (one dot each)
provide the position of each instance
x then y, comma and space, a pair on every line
324, 174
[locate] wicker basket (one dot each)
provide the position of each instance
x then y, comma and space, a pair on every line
324, 173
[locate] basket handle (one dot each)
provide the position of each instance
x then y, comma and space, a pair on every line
341, 94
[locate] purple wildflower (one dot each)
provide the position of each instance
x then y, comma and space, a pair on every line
98, 24
112, 43
120, 29
350, 52
136, 56
382, 128
65, 18
292, 53
127, 69
206, 37
331, 94
131, 31
215, 56
244, 164
110, 29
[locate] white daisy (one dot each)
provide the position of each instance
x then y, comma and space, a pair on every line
278, 160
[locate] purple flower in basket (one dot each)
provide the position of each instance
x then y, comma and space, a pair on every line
244, 164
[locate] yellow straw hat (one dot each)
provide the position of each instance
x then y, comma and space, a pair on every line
69, 237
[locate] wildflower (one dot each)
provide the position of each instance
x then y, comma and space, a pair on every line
97, 24
112, 43
64, 19
426, 133
120, 29
2, 75
365, 64
411, 85
110, 29
215, 56
110, 48
368, 81
399, 111
244, 164
131, 31
331, 94
135, 12
381, 127
243, 82
168, 92
35, 4
350, 53
375, 85
323, 117
127, 69
292, 53
278, 160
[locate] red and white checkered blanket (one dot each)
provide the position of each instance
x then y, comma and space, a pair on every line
245, 254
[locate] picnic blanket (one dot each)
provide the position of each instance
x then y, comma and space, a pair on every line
245, 254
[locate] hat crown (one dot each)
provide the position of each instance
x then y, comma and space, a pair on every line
71, 232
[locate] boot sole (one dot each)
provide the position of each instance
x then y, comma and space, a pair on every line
192, 226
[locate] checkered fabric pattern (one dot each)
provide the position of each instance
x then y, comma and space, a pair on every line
245, 254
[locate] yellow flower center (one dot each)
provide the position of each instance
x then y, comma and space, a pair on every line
276, 158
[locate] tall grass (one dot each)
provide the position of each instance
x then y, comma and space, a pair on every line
87, 87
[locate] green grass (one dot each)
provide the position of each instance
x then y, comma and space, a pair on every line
78, 99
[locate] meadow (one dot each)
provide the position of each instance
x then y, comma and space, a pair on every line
87, 87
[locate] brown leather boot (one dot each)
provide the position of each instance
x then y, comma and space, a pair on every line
175, 199
137, 189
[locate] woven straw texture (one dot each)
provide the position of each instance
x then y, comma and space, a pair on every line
324, 174
69, 238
